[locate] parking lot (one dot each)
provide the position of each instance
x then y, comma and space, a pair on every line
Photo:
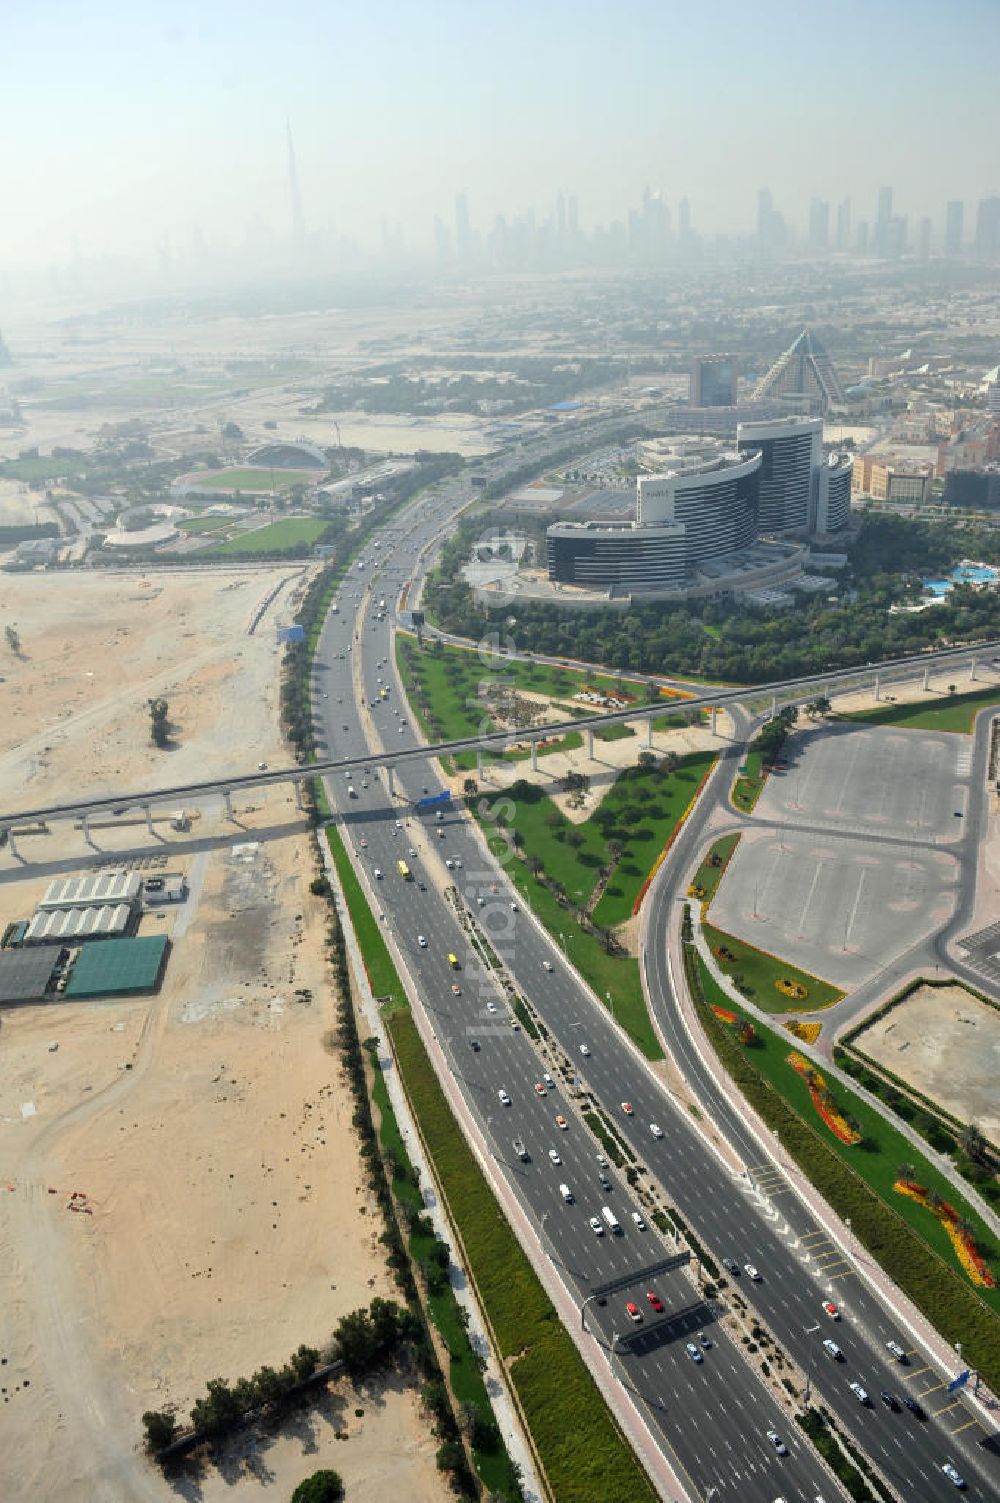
864, 777
839, 907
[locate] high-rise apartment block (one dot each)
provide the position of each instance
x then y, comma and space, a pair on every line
954, 222
988, 229
713, 381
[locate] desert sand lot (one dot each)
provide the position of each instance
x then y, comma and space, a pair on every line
946, 1044
95, 647
226, 1218
223, 1217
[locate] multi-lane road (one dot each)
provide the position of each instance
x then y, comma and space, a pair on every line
712, 1417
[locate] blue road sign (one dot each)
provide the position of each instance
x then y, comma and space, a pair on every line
960, 1381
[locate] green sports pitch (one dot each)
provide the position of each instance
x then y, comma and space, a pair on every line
254, 481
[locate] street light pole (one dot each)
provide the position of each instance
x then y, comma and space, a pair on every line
810, 1331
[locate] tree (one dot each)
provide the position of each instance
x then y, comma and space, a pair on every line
322, 1487
159, 724
906, 1173
647, 759
161, 1428
973, 1144
470, 787
13, 640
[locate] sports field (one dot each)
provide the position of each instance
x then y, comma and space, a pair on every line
263, 482
293, 532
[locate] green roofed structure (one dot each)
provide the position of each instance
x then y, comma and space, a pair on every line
118, 967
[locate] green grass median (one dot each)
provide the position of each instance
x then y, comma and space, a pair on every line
382, 974
585, 1457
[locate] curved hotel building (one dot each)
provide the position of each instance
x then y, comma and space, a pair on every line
696, 512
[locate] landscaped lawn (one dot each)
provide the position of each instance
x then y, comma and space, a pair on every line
749, 785
442, 690
710, 873
382, 974
955, 713
261, 480
760, 971
291, 532
877, 1158
39, 467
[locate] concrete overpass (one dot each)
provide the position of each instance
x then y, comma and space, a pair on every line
781, 692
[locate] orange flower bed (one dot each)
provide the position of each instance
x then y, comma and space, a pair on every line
964, 1245
724, 1014
829, 1114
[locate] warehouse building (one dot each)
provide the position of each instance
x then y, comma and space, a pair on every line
94, 891
71, 925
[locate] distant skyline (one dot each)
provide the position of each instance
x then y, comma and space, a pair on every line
131, 126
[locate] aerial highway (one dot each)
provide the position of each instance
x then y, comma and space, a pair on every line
714, 1415
780, 691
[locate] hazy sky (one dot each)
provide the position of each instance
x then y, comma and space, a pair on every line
125, 120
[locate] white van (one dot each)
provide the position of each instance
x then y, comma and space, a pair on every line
566, 1193
611, 1220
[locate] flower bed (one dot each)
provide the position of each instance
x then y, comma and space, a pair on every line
724, 1013
821, 1101
807, 1032
792, 989
962, 1241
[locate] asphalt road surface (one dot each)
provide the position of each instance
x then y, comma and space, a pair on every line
712, 1416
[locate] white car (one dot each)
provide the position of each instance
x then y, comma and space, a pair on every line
777, 1442
638, 1221
953, 1475
491, 1007
553, 1155
378, 874
861, 1394
596, 1226
546, 965
548, 1080
422, 941
656, 1130
751, 1272
504, 1098
585, 1050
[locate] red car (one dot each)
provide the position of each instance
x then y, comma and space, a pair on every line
633, 1312
655, 1301
831, 1309
561, 1122
539, 1088
627, 1108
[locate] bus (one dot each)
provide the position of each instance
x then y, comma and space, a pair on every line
404, 871
453, 961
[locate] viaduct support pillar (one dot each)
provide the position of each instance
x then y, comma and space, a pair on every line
774, 706
715, 716
227, 799
972, 672
10, 843
876, 688
479, 764
927, 679
148, 811
390, 781
85, 827
590, 745
298, 794
534, 756
649, 730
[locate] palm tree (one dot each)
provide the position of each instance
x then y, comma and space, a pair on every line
906, 1173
